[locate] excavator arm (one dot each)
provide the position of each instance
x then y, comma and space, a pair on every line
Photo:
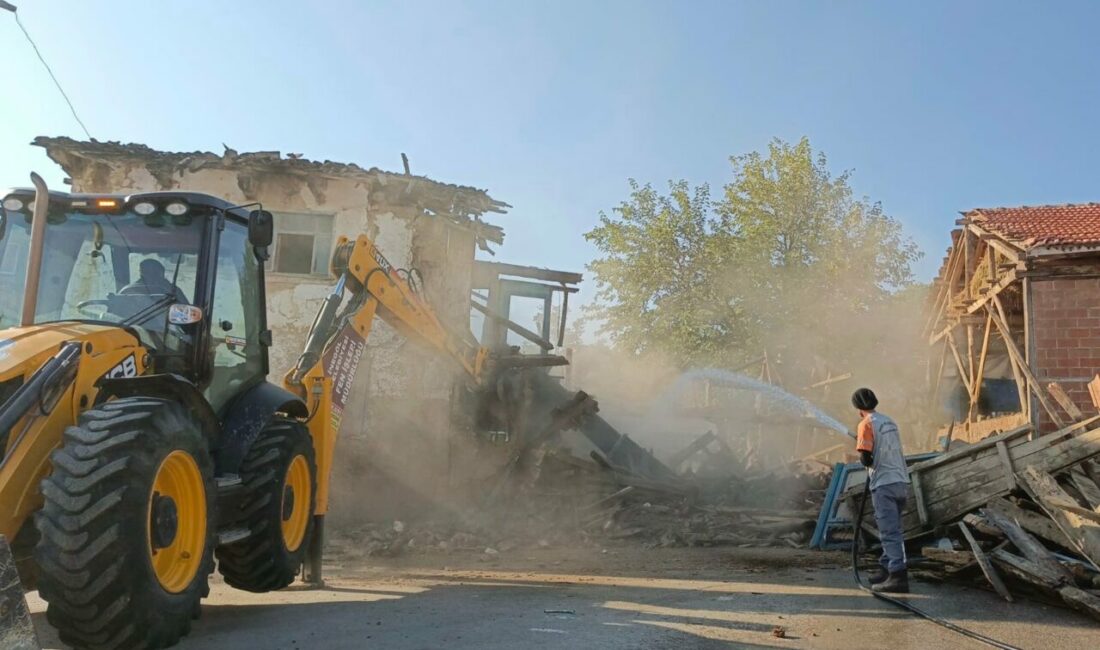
367, 286
375, 288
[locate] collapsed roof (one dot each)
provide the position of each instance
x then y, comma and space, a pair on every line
459, 203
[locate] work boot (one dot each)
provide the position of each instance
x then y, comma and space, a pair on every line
878, 576
895, 583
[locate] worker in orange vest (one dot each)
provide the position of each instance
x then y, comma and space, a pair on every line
878, 442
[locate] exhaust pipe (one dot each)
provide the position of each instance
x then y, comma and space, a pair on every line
34, 257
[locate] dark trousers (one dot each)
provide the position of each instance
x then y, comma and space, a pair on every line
889, 501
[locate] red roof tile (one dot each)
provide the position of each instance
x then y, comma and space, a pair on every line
1067, 225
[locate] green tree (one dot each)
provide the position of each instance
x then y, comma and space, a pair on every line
811, 261
789, 260
657, 286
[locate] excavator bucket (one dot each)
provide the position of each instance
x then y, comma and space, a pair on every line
16, 627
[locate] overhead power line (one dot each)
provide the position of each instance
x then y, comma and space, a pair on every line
12, 8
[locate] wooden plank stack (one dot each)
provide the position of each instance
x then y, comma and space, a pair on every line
949, 486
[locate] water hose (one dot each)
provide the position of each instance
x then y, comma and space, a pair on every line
901, 603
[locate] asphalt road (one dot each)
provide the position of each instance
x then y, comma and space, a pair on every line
626, 598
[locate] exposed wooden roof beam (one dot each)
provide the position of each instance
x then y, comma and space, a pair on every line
1000, 286
1003, 247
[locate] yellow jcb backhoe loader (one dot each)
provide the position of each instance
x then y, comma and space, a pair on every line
141, 439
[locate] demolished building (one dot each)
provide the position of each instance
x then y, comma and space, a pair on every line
1014, 319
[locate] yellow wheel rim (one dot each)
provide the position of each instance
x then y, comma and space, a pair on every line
297, 495
176, 521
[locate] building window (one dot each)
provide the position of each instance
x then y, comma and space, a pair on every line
302, 245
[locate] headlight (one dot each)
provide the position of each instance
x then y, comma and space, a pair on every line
13, 204
145, 208
176, 209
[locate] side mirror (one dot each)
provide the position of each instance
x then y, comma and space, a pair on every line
261, 228
261, 231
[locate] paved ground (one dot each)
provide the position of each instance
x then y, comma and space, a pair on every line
626, 598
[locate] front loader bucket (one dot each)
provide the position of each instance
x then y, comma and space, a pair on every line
16, 627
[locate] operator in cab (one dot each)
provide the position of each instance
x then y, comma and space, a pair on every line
878, 442
152, 281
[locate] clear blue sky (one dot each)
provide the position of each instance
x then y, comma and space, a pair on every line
551, 106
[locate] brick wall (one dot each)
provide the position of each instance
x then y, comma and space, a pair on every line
1067, 338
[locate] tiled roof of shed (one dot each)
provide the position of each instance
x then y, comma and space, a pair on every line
1062, 226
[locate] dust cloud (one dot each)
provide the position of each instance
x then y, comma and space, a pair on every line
415, 468
879, 346
413, 479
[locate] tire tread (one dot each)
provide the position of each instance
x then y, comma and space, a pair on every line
91, 531
261, 562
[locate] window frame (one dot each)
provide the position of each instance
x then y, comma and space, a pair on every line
318, 268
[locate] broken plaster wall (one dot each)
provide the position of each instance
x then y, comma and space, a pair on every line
398, 436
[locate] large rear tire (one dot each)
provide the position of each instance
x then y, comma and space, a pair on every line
126, 529
279, 474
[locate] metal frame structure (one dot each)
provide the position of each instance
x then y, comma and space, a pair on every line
491, 277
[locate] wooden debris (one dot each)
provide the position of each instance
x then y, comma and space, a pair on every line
1082, 533
950, 557
982, 525
1046, 543
1033, 522
580, 406
1048, 583
963, 480
695, 447
1065, 401
1083, 575
1084, 513
1081, 600
1086, 486
1019, 362
1028, 572
1028, 545
1094, 391
1091, 468
987, 567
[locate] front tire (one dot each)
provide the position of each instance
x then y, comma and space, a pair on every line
279, 474
126, 536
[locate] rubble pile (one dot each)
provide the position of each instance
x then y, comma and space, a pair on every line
1039, 542
776, 508
564, 501
693, 524
395, 538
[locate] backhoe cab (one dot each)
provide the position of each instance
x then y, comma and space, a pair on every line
140, 436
